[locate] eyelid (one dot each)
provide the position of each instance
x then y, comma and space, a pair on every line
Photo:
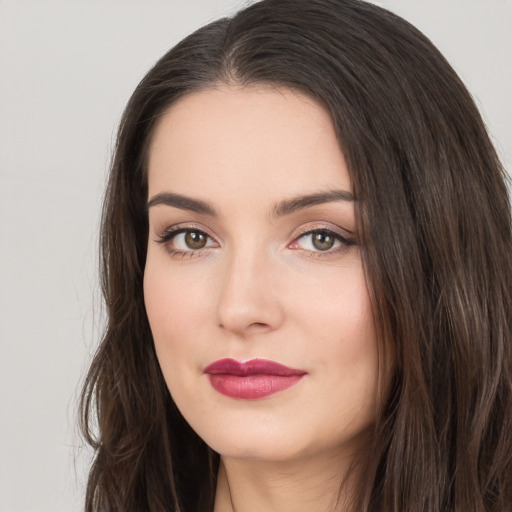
345, 242
166, 237
174, 229
344, 234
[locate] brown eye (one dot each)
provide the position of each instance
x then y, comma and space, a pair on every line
195, 239
323, 241
182, 241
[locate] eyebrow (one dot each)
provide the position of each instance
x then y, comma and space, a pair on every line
182, 202
300, 203
281, 209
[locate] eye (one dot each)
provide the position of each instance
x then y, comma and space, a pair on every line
321, 241
185, 240
190, 240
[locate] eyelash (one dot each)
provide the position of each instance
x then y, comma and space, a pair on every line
344, 242
170, 234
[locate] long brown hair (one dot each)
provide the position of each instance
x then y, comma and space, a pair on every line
435, 218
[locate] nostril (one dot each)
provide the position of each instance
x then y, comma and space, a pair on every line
256, 325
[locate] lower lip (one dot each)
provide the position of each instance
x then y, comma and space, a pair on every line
252, 387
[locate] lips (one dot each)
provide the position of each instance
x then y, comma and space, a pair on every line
250, 380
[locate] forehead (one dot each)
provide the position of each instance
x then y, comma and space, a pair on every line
242, 142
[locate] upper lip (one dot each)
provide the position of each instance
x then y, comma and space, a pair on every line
252, 367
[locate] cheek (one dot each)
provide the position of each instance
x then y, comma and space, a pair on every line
175, 308
338, 313
342, 337
175, 312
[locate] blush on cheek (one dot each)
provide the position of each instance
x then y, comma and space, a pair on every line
160, 297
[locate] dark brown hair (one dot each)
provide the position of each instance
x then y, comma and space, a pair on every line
434, 214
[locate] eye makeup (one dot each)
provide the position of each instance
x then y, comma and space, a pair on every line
322, 240
185, 241
319, 240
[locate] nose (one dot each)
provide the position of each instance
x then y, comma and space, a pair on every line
248, 300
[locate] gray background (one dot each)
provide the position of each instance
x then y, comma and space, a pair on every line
67, 67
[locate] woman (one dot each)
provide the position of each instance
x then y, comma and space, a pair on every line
307, 268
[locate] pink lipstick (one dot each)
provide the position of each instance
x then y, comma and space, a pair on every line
252, 379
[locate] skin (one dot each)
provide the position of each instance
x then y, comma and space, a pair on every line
260, 288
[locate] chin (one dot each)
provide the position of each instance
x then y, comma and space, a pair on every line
249, 436
254, 447
269, 441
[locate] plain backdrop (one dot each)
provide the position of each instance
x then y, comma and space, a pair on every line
67, 68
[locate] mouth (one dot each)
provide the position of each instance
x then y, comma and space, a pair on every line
250, 380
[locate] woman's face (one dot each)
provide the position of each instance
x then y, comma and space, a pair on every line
253, 285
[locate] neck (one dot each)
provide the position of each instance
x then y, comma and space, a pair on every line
301, 486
